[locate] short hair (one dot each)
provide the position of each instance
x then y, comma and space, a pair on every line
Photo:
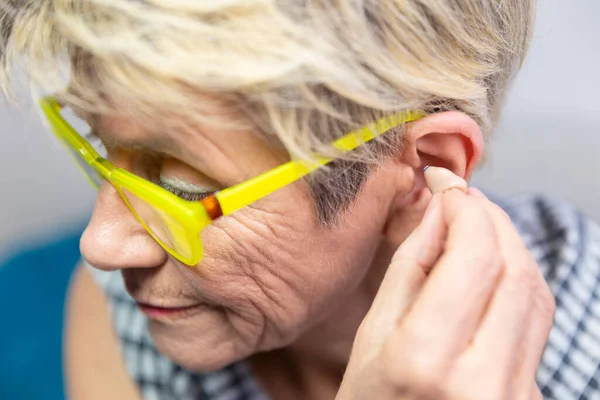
301, 71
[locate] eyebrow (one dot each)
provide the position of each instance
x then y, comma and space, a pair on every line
152, 145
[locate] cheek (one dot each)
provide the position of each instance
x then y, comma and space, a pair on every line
276, 275
252, 258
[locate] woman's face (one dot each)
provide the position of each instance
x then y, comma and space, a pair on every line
269, 272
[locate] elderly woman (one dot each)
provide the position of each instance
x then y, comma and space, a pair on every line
260, 167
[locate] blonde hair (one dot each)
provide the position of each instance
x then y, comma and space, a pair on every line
303, 71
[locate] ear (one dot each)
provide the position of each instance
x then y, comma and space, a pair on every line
451, 140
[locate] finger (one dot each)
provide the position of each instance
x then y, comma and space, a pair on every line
476, 192
407, 272
543, 306
441, 180
448, 310
515, 329
531, 350
536, 393
537, 334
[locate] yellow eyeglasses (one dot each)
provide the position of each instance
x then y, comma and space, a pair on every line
176, 223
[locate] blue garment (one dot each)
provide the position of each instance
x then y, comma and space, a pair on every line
33, 285
563, 241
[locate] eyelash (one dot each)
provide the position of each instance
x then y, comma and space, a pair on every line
189, 196
183, 194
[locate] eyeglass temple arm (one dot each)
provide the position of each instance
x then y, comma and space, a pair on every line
246, 193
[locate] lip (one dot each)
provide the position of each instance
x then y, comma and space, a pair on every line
158, 312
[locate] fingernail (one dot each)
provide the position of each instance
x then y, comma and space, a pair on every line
440, 180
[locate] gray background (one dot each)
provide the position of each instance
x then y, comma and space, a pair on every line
546, 142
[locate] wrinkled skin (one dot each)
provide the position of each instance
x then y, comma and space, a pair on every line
269, 272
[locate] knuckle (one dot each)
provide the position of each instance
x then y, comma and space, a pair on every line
476, 378
403, 257
410, 369
524, 276
500, 213
487, 262
545, 299
411, 338
527, 280
497, 212
424, 379
393, 361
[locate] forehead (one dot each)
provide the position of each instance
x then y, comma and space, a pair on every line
132, 132
212, 145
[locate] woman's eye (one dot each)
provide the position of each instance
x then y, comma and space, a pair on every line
185, 190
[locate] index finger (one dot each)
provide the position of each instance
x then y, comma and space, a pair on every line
452, 302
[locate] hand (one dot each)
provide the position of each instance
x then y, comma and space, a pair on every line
462, 313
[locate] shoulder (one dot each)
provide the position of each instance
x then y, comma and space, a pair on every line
566, 245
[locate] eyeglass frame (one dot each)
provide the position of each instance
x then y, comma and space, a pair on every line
194, 216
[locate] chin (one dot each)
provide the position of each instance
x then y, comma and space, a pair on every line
199, 350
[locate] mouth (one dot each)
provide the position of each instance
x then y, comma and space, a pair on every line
158, 312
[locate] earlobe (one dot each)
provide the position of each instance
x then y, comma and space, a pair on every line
451, 140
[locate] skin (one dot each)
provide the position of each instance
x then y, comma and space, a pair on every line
288, 294
471, 322
93, 372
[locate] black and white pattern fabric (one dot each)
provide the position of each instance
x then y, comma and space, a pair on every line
565, 244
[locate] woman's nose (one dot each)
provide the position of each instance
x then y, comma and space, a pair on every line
114, 239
